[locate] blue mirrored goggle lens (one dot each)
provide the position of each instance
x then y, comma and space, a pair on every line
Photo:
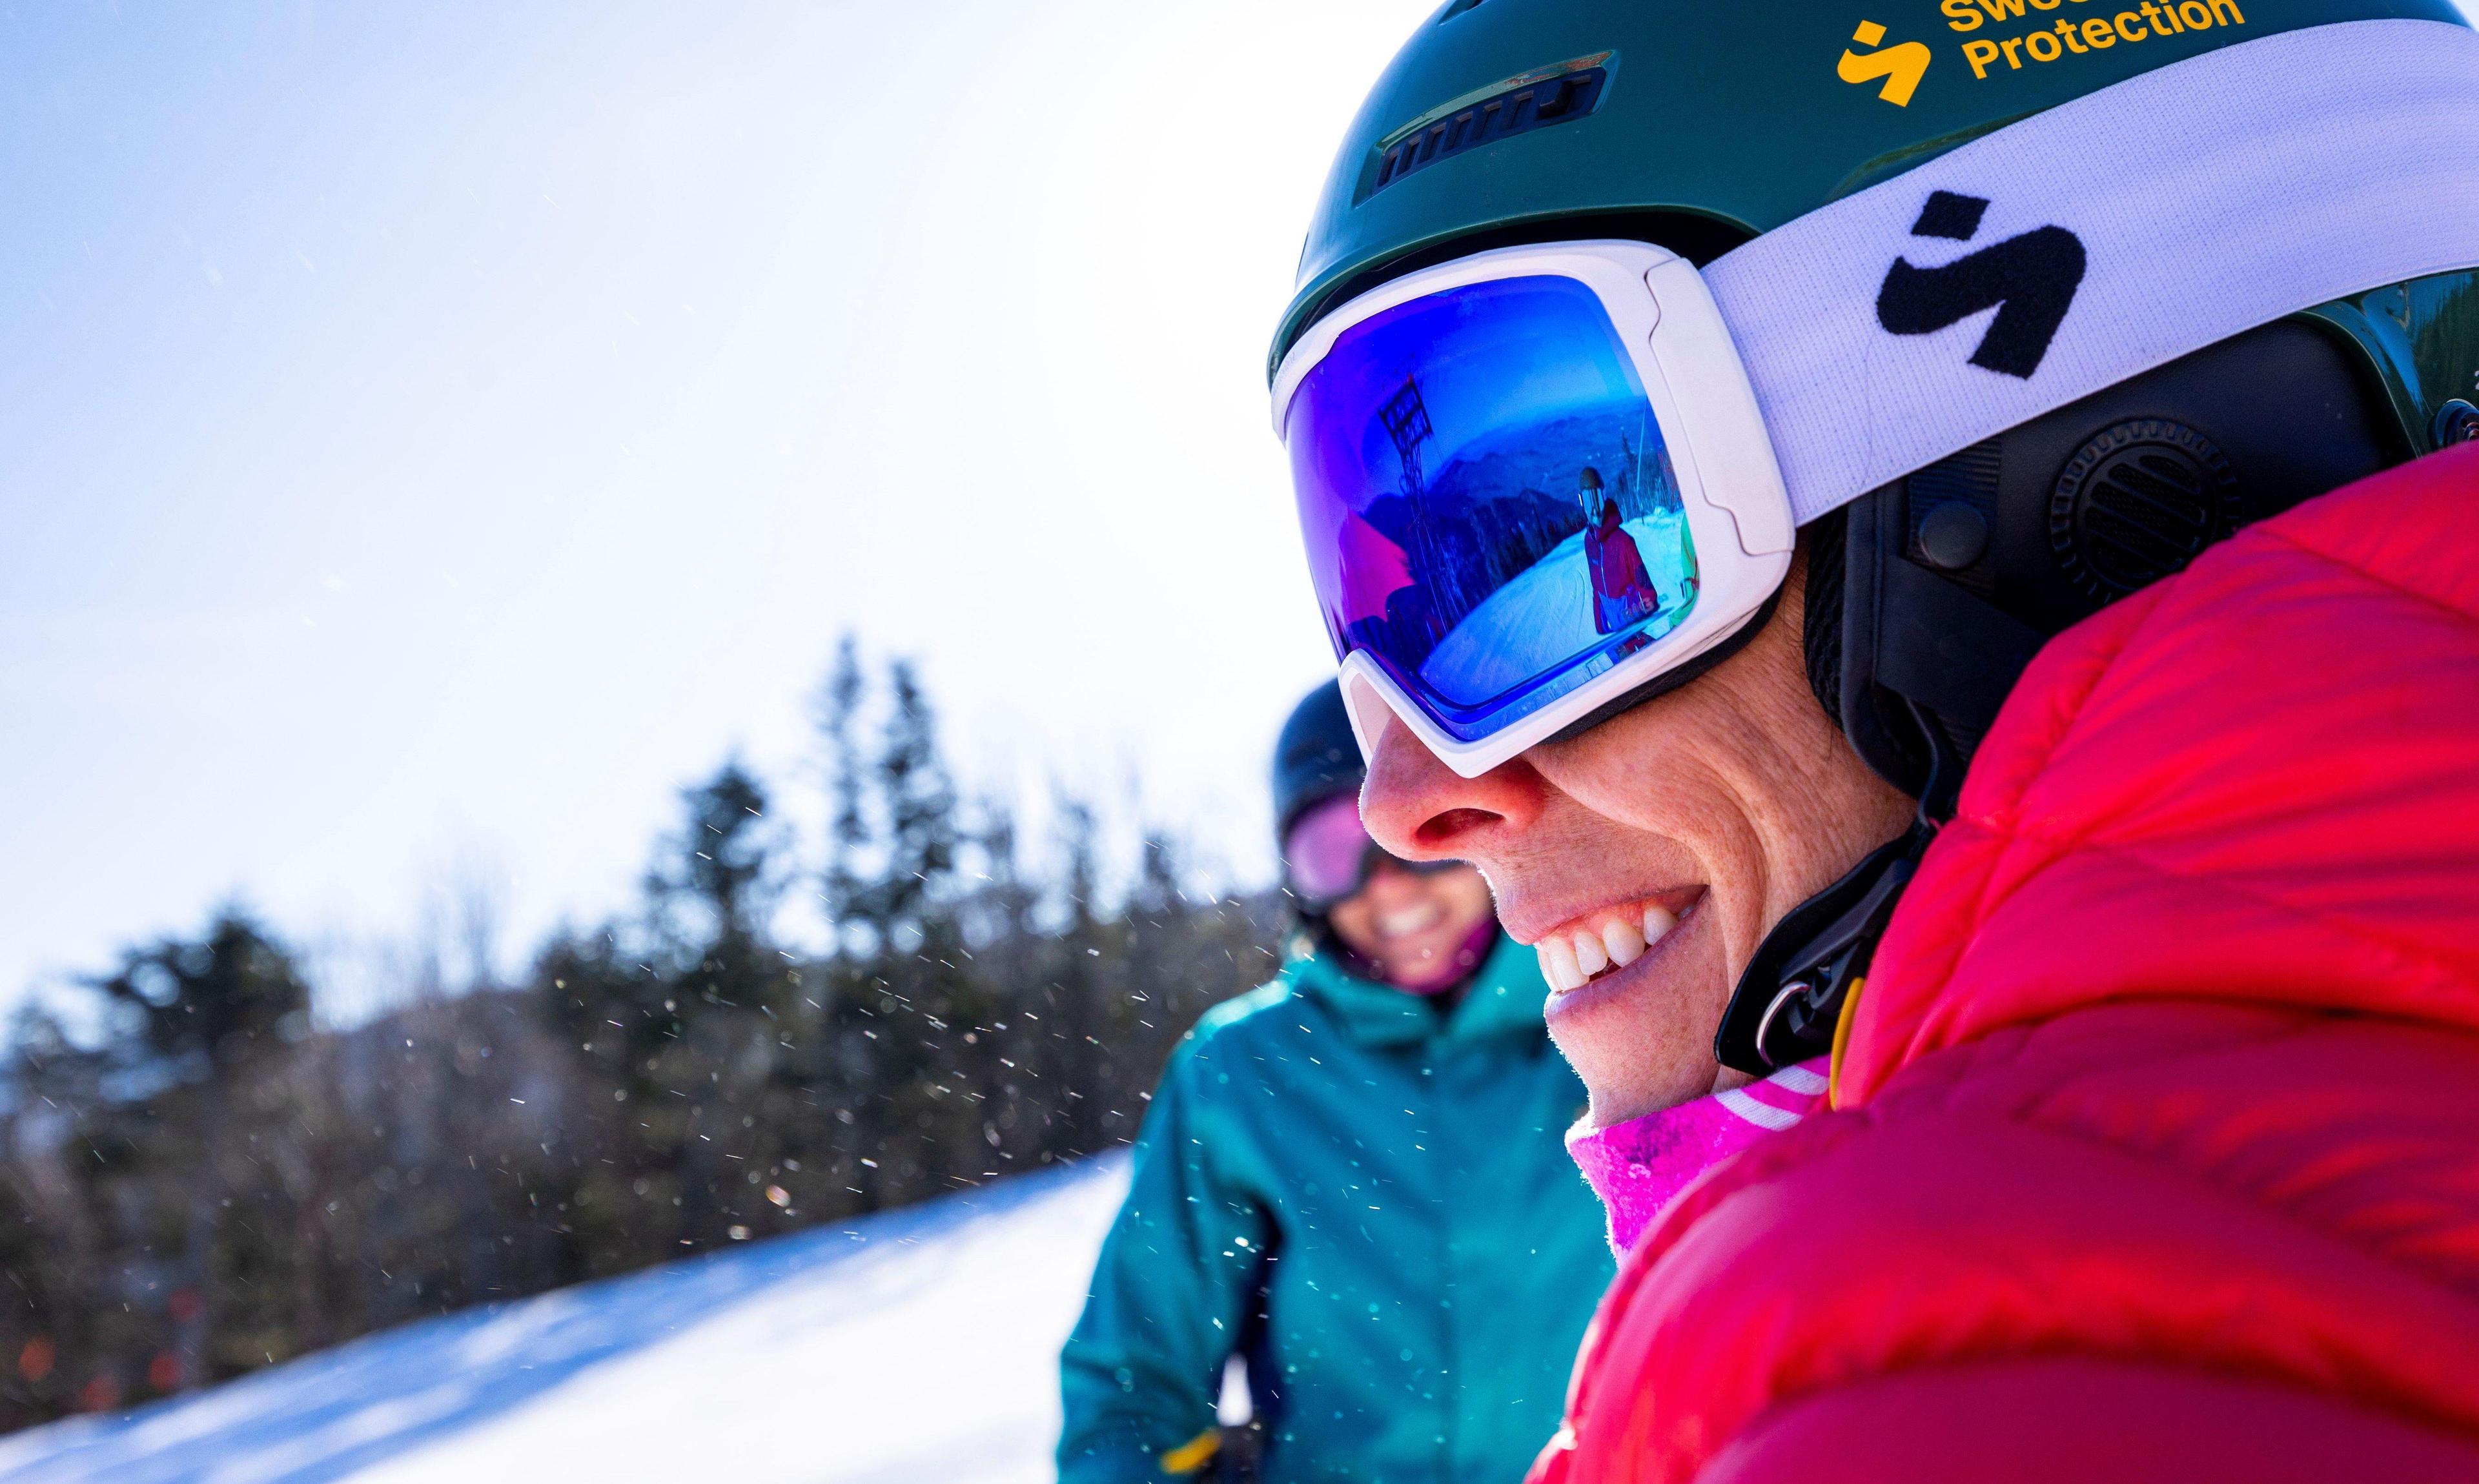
1488, 504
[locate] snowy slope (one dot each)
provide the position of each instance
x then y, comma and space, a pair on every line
917, 1345
1549, 606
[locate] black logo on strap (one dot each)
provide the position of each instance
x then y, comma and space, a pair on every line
2029, 280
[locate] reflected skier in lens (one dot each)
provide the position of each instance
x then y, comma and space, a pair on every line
1623, 590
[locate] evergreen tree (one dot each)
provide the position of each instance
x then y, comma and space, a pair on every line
204, 1180
210, 1019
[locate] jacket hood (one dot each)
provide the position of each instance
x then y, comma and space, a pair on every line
2157, 1106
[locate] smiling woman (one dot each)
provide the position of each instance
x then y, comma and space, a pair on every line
2107, 949
1716, 809
1423, 930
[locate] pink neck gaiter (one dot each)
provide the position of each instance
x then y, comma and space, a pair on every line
1637, 1168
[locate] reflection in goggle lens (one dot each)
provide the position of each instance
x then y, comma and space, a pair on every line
1488, 503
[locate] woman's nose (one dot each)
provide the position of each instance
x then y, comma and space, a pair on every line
1422, 810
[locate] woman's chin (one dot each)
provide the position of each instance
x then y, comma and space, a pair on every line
1420, 976
1641, 1036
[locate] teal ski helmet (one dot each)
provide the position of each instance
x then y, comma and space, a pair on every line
1315, 758
1700, 127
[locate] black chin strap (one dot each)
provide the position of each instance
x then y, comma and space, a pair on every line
1790, 999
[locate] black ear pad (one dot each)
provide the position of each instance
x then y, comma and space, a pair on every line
1878, 725
1821, 620
1951, 578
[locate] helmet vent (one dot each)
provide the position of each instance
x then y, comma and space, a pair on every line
2137, 502
1538, 103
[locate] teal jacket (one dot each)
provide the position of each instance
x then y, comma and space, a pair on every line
1375, 1208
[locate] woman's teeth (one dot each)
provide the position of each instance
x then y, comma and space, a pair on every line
1409, 920
1572, 958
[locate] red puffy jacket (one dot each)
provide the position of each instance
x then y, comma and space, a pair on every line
2158, 1149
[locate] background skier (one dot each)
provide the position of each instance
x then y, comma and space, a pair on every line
1352, 1179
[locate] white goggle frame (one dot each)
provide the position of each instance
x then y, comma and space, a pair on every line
1738, 512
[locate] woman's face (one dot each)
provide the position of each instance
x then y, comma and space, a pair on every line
1413, 925
1647, 857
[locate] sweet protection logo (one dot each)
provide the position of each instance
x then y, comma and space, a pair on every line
2029, 280
1901, 65
2039, 39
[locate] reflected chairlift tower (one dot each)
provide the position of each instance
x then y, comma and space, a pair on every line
1405, 417
1407, 421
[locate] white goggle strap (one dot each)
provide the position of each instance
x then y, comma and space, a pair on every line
2090, 242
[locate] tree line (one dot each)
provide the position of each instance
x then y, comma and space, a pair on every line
200, 1179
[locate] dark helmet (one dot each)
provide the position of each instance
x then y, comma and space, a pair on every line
1316, 756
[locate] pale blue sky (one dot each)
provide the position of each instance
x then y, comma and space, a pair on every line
433, 434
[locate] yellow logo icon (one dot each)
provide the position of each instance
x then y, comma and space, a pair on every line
1900, 66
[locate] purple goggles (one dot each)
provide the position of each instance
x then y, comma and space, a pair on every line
1328, 856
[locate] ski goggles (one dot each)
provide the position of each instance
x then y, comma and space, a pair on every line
1530, 481
1328, 857
1539, 484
